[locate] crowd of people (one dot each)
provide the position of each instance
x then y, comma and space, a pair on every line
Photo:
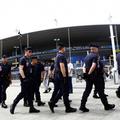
32, 73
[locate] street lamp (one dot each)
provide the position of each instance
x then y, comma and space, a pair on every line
19, 38
57, 40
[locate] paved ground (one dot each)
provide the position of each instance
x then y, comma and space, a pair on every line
96, 109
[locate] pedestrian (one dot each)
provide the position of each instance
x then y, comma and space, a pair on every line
61, 82
118, 66
70, 75
5, 78
36, 76
25, 71
46, 78
91, 75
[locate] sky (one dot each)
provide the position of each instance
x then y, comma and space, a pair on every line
35, 15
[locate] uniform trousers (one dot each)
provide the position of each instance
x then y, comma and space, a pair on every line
37, 91
99, 84
61, 88
26, 92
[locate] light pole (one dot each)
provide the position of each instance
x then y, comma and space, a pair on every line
113, 50
19, 38
56, 41
116, 36
69, 42
28, 40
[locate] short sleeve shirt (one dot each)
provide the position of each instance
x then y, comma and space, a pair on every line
60, 58
89, 59
37, 69
26, 62
5, 69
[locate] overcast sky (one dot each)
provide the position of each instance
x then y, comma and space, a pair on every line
35, 15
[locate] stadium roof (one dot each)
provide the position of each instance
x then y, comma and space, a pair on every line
44, 40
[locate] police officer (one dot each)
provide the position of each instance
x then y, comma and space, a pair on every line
118, 65
61, 82
26, 84
91, 75
5, 78
36, 76
101, 72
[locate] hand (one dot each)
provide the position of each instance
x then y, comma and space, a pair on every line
85, 76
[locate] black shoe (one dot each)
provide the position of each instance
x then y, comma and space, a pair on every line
33, 110
45, 91
40, 103
95, 96
12, 109
49, 89
109, 107
70, 110
84, 109
26, 104
70, 101
55, 105
4, 105
106, 95
51, 106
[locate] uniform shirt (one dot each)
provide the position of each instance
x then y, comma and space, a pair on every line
60, 58
5, 70
89, 59
36, 71
118, 62
100, 68
26, 62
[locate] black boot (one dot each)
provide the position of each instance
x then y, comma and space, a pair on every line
70, 110
12, 108
49, 89
46, 91
3, 105
109, 107
84, 109
26, 104
33, 110
40, 103
51, 106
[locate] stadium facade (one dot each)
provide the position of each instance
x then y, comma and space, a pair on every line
76, 39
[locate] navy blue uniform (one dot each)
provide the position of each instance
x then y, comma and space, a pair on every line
118, 62
118, 65
26, 83
5, 73
36, 76
60, 83
100, 74
94, 78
